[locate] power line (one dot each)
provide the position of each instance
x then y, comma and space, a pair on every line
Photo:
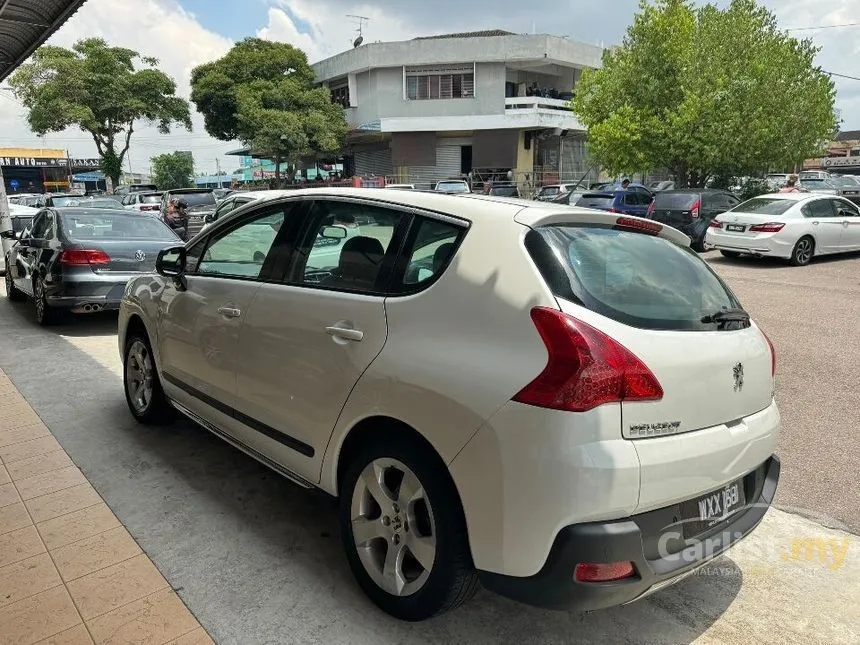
851, 78
845, 24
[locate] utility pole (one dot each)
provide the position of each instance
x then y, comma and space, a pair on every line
218, 166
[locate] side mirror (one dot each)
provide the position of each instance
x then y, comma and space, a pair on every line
333, 232
171, 262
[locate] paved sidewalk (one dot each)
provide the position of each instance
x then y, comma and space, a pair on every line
70, 574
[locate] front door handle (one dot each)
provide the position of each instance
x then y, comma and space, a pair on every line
230, 312
347, 334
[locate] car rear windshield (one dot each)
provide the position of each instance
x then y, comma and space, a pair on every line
452, 185
636, 279
150, 199
195, 199
114, 226
676, 201
764, 205
595, 201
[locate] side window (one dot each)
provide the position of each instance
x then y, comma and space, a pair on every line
49, 228
819, 208
848, 209
224, 208
240, 252
427, 257
346, 246
40, 226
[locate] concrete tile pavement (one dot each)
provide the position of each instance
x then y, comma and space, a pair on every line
70, 574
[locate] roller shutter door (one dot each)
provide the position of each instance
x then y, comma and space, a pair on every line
373, 162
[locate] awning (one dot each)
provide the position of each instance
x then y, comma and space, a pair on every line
26, 24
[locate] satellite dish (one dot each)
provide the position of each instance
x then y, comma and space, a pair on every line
358, 41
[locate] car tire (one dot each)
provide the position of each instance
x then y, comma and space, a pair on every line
45, 313
698, 246
431, 515
12, 292
731, 254
143, 392
803, 251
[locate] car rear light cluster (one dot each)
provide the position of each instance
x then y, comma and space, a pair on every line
715, 224
592, 572
585, 368
84, 257
697, 207
770, 227
640, 225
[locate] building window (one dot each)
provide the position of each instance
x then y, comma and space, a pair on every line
340, 95
425, 84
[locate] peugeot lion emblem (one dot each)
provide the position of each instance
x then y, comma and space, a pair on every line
738, 373
140, 256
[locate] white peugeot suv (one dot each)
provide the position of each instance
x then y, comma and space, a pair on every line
566, 405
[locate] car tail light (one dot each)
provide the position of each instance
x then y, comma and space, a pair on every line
715, 224
652, 207
585, 368
694, 212
772, 354
770, 227
83, 257
588, 572
640, 225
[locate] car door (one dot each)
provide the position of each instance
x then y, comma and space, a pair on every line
826, 228
201, 316
307, 340
29, 252
849, 215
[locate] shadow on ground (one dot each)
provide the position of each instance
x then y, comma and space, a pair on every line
258, 559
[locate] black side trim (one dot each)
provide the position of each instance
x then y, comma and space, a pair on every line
290, 442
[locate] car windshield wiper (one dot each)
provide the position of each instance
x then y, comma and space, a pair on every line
727, 315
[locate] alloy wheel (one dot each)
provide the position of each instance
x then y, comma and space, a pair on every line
139, 373
393, 527
803, 253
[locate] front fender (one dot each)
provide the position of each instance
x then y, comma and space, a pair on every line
141, 300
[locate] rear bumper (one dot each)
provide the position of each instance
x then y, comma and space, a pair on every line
102, 292
659, 555
766, 244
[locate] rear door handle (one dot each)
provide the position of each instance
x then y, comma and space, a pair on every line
230, 312
347, 334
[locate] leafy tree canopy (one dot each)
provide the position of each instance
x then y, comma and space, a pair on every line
704, 91
174, 170
97, 88
262, 93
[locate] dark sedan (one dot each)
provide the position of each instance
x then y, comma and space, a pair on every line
691, 210
79, 259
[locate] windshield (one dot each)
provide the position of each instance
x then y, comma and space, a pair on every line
150, 199
195, 199
843, 182
96, 203
114, 226
452, 186
595, 201
764, 206
676, 201
504, 191
64, 201
639, 280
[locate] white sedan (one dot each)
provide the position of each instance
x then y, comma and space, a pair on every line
794, 226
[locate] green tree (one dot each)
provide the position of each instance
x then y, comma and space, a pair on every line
97, 88
704, 91
174, 170
262, 93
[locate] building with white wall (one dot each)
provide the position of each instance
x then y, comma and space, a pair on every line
444, 106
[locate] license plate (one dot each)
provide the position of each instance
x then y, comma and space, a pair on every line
711, 509
736, 227
851, 192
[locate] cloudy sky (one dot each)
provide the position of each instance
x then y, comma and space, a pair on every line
185, 33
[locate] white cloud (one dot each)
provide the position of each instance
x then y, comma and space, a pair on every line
322, 29
158, 28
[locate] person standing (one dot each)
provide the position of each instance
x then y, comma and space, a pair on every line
790, 185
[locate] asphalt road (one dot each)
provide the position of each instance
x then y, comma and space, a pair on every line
812, 316
258, 560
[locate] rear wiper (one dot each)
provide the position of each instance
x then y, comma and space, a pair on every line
727, 315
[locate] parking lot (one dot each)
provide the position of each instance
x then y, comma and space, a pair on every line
258, 560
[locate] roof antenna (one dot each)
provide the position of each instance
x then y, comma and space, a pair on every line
359, 20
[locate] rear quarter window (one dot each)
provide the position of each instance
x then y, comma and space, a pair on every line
636, 279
